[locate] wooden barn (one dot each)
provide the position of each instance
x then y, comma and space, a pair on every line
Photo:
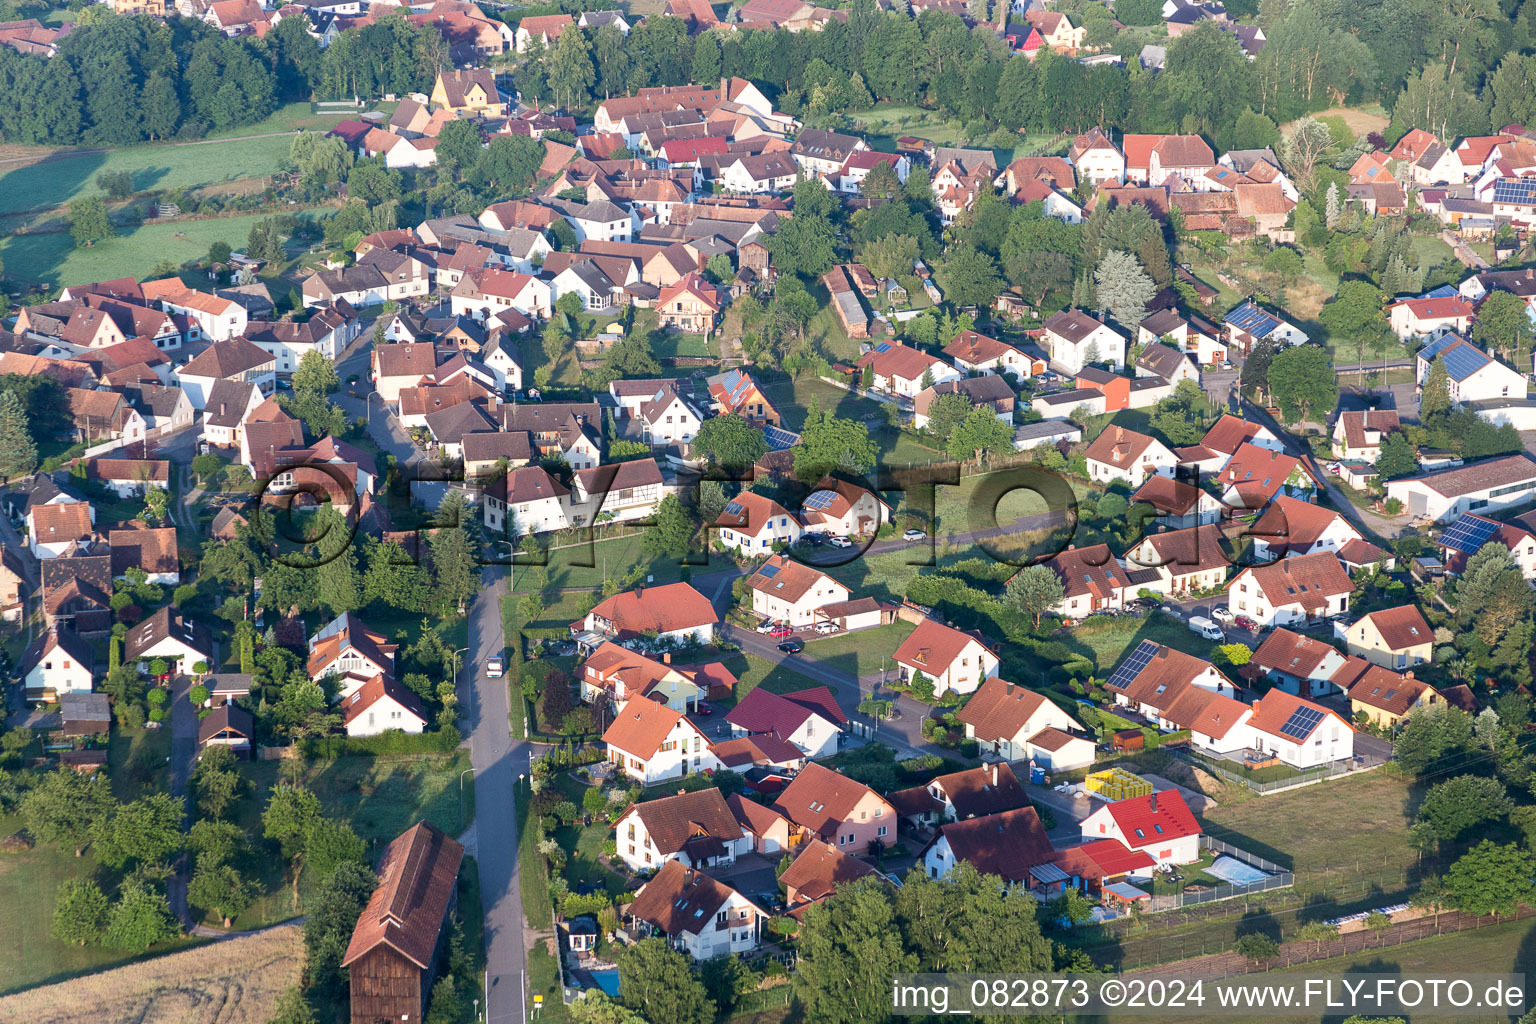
395, 947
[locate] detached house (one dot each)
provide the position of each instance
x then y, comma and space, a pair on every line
526, 500
346, 647
838, 508
382, 705
1299, 664
236, 360
699, 915
53, 529
977, 353
903, 370
1296, 589
836, 809
1091, 581
690, 305
1096, 159
792, 593
1254, 476
166, 636
1075, 339
753, 523
673, 610
1473, 374
1384, 698
56, 663
1012, 723
1419, 318
651, 743
695, 829
1290, 526
1121, 454
1299, 732
953, 660
472, 92
1011, 844
808, 719
1358, 434
1186, 561
1159, 825
1395, 638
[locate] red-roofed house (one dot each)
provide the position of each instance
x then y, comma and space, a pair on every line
860, 162
1418, 318
673, 611
381, 705
1291, 526
809, 719
1395, 638
651, 742
686, 152
902, 370
1299, 732
1091, 580
1160, 825
952, 659
1296, 589
690, 305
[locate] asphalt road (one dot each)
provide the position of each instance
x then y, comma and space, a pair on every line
499, 760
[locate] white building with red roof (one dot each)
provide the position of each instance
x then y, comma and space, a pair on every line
789, 592
903, 370
671, 611
753, 523
1299, 732
382, 705
809, 719
1121, 454
1420, 318
838, 508
651, 743
952, 659
1014, 723
1091, 581
1296, 589
850, 177
1290, 526
1160, 825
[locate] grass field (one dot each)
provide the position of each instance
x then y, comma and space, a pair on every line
860, 653
237, 981
64, 178
1106, 639
885, 122
54, 260
1304, 830
29, 882
752, 672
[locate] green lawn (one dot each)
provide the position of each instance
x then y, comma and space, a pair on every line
752, 672
884, 123
29, 883
860, 652
1107, 639
136, 760
667, 345
153, 167
1304, 829
53, 258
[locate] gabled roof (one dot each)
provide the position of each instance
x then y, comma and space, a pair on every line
1477, 476
1117, 446
1258, 474
681, 900
1197, 549
1006, 844
1290, 524
224, 719
782, 714
1000, 710
641, 726
1401, 627
1386, 690
418, 876
977, 348
933, 646
674, 820
1290, 717
821, 799
61, 638
1307, 580
1230, 433
669, 607
1158, 818
783, 577
820, 869
985, 789
375, 690
148, 548
1089, 570
166, 624
892, 359
1292, 654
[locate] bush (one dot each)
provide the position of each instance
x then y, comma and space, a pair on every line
393, 742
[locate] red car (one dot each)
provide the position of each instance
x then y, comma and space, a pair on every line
701, 708
778, 632
1244, 622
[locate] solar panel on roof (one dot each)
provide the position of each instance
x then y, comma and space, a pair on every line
769, 571
1514, 190
1468, 534
819, 500
1462, 361
733, 509
1131, 667
1301, 723
779, 439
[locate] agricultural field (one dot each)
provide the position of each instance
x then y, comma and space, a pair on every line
236, 981
52, 259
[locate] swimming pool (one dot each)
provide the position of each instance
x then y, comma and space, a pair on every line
1230, 869
607, 980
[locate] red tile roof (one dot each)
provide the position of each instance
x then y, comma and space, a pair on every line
1000, 710
1159, 817
1402, 627
417, 879
932, 646
641, 726
669, 607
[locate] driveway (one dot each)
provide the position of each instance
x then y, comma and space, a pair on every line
498, 762
752, 872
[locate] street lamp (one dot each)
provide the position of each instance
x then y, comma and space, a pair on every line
463, 773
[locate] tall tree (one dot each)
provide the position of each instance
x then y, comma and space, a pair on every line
18, 452
829, 443
969, 276
1034, 590
331, 917
851, 949
1302, 380
140, 918
146, 831
1435, 396
1124, 289
88, 220
66, 808
659, 983
730, 441
1491, 879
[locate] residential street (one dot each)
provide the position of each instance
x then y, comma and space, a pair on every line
498, 760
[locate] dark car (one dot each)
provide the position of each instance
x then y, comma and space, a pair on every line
792, 646
814, 539
703, 708
770, 901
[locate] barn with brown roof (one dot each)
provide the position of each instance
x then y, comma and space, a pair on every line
393, 956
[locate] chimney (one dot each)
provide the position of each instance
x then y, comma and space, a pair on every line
1154, 799
994, 773
666, 657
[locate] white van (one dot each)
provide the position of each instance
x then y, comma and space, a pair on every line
1206, 628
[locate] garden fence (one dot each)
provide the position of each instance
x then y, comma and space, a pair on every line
1309, 777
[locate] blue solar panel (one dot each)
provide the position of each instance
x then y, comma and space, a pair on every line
1468, 534
1131, 667
1301, 723
883, 347
1462, 361
1445, 291
1434, 348
733, 509
1515, 190
1252, 320
779, 439
820, 500
769, 571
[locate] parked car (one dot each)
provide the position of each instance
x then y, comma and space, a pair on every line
840, 542
779, 631
792, 646
814, 538
1223, 614
770, 901
766, 626
826, 627
1244, 622
1207, 628
912, 535
703, 708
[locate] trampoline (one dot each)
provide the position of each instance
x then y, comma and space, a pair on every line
1230, 869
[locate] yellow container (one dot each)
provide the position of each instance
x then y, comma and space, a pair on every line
1118, 784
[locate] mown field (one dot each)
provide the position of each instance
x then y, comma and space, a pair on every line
53, 259
66, 177
236, 981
